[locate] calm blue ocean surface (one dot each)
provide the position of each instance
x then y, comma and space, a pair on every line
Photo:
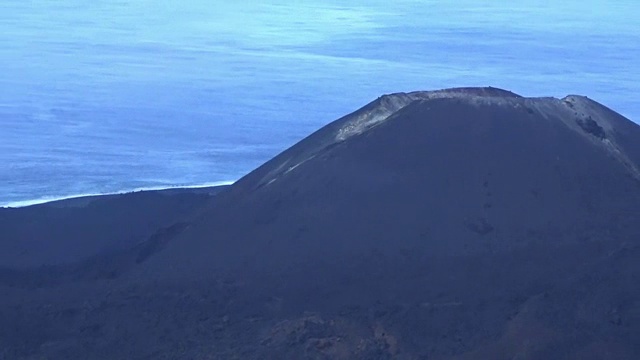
105, 96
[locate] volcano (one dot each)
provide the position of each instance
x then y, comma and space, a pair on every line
466, 223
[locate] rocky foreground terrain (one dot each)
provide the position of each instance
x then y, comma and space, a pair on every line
467, 223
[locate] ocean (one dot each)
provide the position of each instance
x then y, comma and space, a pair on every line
109, 96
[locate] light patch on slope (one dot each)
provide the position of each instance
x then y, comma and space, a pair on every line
387, 105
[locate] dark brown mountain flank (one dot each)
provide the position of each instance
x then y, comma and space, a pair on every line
464, 223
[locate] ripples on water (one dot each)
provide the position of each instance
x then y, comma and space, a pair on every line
105, 96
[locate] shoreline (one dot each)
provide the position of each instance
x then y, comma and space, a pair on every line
54, 199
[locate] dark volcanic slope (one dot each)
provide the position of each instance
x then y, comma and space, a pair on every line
463, 223
66, 231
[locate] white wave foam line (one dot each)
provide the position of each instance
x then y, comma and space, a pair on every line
47, 199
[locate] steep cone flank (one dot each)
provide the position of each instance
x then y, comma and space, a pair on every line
456, 224
459, 174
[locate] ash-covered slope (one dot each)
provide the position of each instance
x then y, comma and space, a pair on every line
72, 230
456, 224
456, 165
